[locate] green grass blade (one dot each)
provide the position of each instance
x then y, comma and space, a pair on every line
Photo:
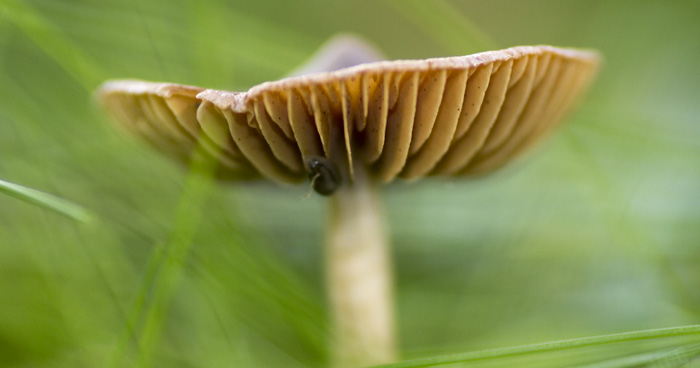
129, 338
548, 346
45, 200
176, 254
167, 265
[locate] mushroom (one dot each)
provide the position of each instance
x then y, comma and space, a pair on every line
350, 131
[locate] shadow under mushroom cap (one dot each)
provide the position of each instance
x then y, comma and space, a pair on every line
411, 118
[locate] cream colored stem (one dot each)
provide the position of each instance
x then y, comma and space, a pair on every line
359, 277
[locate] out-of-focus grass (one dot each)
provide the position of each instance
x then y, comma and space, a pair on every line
596, 232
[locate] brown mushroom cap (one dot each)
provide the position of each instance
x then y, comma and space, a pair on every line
411, 118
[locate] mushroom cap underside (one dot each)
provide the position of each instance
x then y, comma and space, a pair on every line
447, 116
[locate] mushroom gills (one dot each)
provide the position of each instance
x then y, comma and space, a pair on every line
453, 116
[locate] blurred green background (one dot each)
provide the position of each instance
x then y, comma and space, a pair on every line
595, 232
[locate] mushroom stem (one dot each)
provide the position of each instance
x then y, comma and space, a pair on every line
359, 277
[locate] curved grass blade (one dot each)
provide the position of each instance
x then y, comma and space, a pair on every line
548, 346
45, 200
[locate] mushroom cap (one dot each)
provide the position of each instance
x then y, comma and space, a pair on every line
451, 116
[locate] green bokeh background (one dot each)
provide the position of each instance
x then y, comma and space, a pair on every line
596, 231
